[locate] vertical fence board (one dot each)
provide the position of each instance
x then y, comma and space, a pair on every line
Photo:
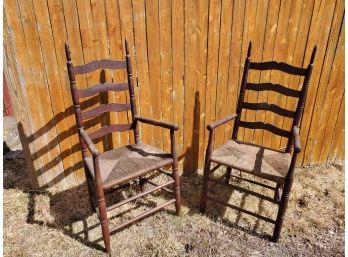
187, 59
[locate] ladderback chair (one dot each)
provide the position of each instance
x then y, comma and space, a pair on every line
119, 166
266, 163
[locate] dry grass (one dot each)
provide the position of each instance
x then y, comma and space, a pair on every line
58, 222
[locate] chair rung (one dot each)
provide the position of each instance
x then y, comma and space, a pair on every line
254, 182
163, 171
138, 196
215, 168
240, 209
221, 178
244, 190
154, 184
140, 217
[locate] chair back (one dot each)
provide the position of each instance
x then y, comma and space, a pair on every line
289, 92
77, 94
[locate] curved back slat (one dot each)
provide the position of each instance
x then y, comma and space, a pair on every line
93, 90
109, 129
99, 64
281, 66
265, 126
105, 108
269, 107
273, 87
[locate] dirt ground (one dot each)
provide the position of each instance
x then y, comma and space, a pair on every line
59, 222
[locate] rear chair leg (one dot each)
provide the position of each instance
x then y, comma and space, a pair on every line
277, 192
281, 211
203, 205
90, 190
176, 186
228, 175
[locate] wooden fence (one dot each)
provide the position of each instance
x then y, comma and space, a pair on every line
187, 58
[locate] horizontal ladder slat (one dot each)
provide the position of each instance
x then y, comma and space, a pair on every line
281, 66
269, 107
99, 64
141, 216
240, 209
139, 195
266, 126
244, 190
273, 87
93, 90
106, 130
105, 108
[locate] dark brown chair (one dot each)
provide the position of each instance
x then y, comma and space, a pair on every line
119, 166
274, 165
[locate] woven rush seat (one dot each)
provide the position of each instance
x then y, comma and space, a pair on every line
259, 161
128, 162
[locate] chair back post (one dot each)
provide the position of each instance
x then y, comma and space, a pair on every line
75, 98
302, 98
131, 94
242, 93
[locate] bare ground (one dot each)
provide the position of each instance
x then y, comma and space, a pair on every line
59, 222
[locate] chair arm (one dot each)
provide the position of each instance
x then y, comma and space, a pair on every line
296, 137
156, 123
89, 143
220, 122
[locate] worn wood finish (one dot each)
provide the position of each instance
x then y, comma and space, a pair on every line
274, 165
116, 167
191, 52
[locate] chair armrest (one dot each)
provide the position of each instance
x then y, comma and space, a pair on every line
156, 123
220, 122
89, 142
296, 137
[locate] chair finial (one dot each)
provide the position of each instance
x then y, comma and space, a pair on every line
249, 49
313, 54
67, 51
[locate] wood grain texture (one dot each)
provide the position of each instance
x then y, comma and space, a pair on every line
187, 59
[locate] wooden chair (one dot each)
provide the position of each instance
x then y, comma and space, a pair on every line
119, 166
274, 165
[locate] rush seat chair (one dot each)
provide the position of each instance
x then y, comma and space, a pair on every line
270, 164
116, 167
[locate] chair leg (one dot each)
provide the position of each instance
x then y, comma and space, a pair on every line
204, 193
176, 186
277, 192
141, 183
228, 175
90, 190
104, 223
281, 211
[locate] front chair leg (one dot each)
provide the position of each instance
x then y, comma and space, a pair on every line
104, 223
204, 193
282, 209
176, 186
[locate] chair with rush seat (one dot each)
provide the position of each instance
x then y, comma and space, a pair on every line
274, 165
119, 166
